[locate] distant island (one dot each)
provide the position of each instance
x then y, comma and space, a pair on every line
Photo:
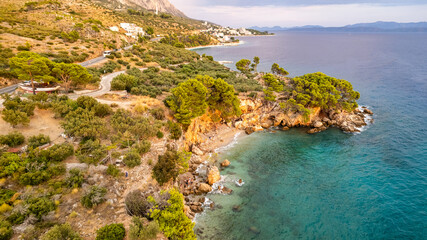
359, 27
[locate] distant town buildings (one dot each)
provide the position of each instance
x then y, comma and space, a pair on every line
223, 34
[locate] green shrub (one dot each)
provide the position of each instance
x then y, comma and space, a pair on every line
93, 197
5, 195
158, 113
12, 139
111, 232
75, 179
15, 117
159, 134
137, 230
40, 206
6, 230
170, 165
59, 152
132, 159
142, 147
61, 232
85, 124
37, 141
172, 219
91, 152
112, 170
175, 130
10, 163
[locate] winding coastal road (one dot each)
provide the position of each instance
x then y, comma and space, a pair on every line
104, 85
87, 63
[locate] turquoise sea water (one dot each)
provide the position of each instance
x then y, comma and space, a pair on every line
333, 185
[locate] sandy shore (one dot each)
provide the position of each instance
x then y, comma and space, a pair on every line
220, 140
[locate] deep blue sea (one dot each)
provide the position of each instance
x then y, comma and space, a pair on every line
333, 185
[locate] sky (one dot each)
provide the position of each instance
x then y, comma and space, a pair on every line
290, 13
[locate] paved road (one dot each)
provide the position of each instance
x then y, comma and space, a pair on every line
104, 86
99, 59
12, 88
9, 89
92, 61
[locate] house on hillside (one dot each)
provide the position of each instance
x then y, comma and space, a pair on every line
132, 30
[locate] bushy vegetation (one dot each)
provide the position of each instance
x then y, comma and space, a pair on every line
320, 90
39, 207
172, 219
75, 178
170, 165
132, 159
12, 139
91, 151
61, 232
140, 231
17, 111
94, 196
111, 232
193, 97
6, 230
114, 171
194, 40
139, 204
83, 123
175, 130
37, 141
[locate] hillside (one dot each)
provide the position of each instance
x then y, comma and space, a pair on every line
45, 25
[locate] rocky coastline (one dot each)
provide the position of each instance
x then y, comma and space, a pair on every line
204, 137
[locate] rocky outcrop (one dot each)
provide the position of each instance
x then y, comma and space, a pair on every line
161, 5
258, 116
213, 175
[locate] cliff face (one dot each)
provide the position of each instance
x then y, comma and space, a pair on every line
162, 5
258, 115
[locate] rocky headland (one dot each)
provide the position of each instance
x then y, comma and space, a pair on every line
204, 137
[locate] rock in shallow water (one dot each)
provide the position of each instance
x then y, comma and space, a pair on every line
226, 163
213, 175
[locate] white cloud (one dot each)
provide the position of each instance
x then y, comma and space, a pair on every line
326, 15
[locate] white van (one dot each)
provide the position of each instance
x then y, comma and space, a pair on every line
107, 53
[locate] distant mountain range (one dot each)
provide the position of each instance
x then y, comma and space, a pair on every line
359, 27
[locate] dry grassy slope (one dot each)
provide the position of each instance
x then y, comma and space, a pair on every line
41, 26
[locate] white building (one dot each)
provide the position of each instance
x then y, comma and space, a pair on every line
132, 30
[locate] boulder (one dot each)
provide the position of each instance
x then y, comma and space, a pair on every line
225, 163
213, 175
367, 111
197, 151
285, 128
316, 130
318, 124
249, 130
205, 188
195, 159
79, 166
